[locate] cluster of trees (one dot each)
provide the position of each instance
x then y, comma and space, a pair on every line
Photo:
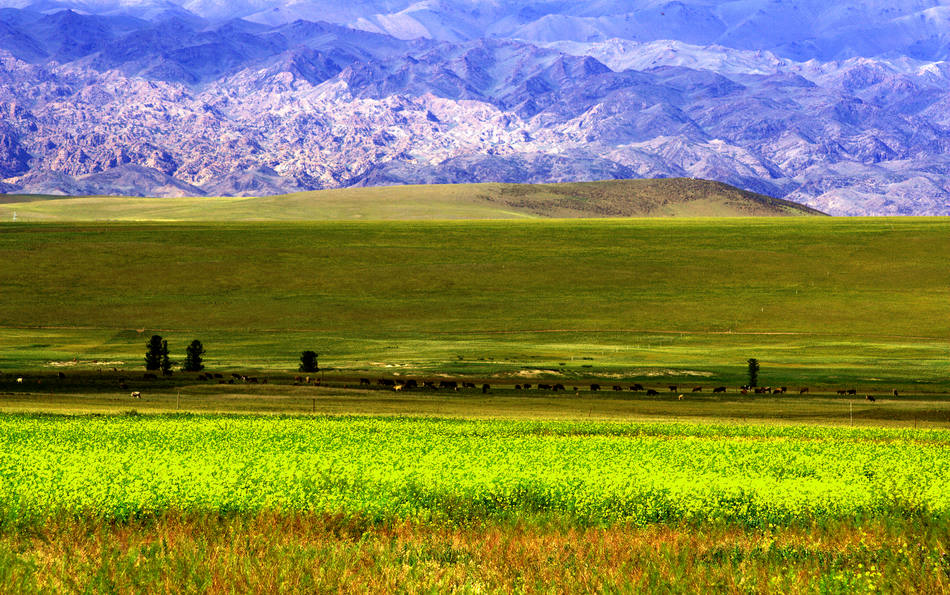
156, 356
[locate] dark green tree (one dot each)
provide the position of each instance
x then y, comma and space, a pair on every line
153, 353
753, 372
166, 363
193, 357
308, 362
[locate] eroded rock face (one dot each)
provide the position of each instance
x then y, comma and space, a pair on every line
13, 158
175, 107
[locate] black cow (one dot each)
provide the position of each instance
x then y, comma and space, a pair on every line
468, 385
544, 387
652, 393
449, 384
364, 381
870, 398
517, 387
486, 388
672, 388
595, 387
852, 391
558, 387
719, 389
636, 387
618, 388
527, 387
803, 390
412, 384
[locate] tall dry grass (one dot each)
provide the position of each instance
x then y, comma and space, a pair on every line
278, 553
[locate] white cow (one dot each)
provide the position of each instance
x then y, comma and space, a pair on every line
19, 380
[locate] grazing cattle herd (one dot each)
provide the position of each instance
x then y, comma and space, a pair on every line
405, 384
459, 386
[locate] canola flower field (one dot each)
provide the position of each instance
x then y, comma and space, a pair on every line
123, 467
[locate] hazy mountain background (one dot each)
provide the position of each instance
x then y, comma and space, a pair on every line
841, 106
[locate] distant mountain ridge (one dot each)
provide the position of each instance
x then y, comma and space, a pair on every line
162, 98
797, 29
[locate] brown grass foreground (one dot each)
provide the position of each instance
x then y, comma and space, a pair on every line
304, 553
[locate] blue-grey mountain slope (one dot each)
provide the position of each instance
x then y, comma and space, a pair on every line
170, 98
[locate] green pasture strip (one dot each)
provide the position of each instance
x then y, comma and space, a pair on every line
85, 392
816, 300
686, 359
424, 470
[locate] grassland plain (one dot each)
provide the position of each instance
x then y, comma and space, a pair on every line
820, 302
858, 302
225, 503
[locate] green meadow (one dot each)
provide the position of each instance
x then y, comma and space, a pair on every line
818, 301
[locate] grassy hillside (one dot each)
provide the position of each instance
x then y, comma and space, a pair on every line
619, 198
816, 300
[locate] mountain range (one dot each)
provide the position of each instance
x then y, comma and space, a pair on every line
844, 107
